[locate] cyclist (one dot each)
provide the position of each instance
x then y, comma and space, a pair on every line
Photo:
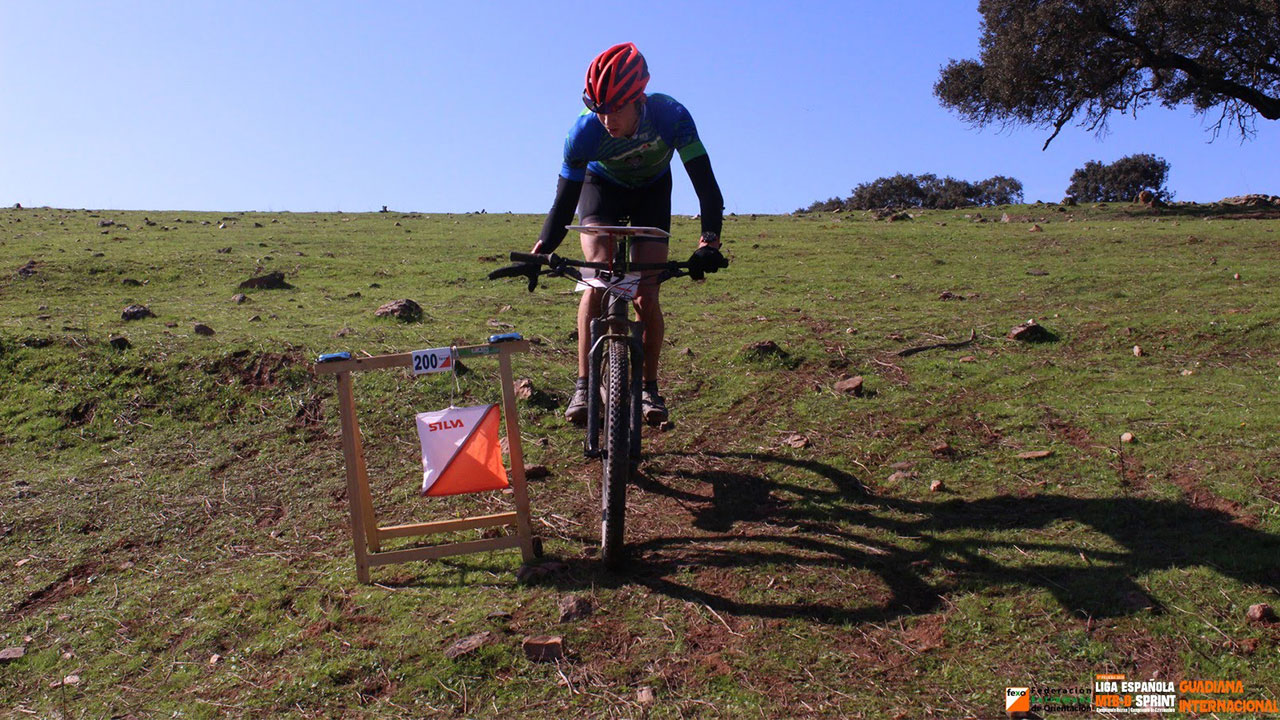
617, 169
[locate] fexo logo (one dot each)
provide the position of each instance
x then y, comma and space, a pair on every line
444, 425
1017, 699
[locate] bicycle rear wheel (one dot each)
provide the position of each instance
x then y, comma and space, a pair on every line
617, 453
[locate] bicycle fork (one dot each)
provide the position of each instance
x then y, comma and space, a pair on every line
602, 330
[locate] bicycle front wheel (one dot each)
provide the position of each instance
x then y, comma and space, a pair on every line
617, 453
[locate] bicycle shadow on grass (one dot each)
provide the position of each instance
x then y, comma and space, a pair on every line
831, 530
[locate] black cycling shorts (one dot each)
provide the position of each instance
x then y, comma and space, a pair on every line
605, 203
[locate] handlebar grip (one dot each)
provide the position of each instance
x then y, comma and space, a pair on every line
528, 257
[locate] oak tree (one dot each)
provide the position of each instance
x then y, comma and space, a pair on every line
1047, 63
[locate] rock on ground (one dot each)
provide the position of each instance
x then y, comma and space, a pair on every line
573, 607
406, 310
468, 644
270, 281
850, 386
1031, 331
544, 648
136, 312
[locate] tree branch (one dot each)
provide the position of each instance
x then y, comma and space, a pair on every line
1265, 105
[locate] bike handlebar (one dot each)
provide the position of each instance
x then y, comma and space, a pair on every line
555, 262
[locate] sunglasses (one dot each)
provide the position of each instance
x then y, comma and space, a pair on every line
601, 108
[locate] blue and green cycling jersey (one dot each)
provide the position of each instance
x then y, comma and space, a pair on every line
665, 127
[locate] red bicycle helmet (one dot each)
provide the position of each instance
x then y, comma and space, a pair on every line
616, 77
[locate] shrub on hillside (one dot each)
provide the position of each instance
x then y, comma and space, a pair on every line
926, 191
1122, 180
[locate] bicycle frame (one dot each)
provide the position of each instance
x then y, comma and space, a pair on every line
615, 324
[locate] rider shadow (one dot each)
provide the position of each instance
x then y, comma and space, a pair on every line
839, 528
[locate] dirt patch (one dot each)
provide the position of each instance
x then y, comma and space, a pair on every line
1199, 496
258, 371
927, 633
67, 585
1150, 656
311, 414
81, 414
1063, 430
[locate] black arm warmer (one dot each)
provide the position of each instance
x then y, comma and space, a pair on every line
710, 201
561, 214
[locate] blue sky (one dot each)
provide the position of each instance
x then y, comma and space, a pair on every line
460, 106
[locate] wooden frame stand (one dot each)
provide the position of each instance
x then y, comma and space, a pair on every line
366, 535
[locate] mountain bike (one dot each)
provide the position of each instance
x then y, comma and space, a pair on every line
614, 379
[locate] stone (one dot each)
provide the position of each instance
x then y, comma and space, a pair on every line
202, 329
1034, 454
943, 451
524, 388
573, 608
903, 475
1036, 228
136, 312
1260, 613
404, 310
1137, 351
764, 349
644, 695
850, 386
797, 441
468, 644
1255, 200
536, 472
130, 282
28, 270
119, 342
544, 648
239, 298
8, 655
1126, 438
271, 281
72, 680
1031, 331
936, 486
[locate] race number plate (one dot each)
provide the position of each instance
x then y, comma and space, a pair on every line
432, 360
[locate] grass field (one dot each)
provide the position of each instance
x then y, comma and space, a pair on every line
174, 536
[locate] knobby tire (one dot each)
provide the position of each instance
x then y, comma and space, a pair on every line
617, 453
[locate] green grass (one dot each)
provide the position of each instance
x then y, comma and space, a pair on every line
174, 529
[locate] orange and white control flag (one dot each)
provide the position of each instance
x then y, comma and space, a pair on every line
461, 450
